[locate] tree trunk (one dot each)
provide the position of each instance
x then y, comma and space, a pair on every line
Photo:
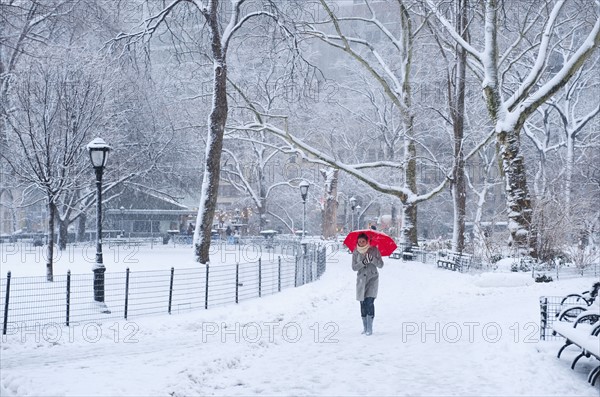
517, 193
63, 234
330, 203
479, 237
262, 214
262, 193
539, 180
459, 188
212, 170
50, 246
459, 196
394, 220
214, 145
81, 227
569, 170
409, 231
409, 210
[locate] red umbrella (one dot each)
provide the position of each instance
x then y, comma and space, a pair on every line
385, 243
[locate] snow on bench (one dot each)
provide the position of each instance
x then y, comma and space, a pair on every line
583, 332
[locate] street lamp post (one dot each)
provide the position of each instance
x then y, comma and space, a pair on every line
358, 207
98, 150
304, 192
352, 207
122, 210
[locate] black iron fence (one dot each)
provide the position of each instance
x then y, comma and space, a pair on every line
69, 299
552, 306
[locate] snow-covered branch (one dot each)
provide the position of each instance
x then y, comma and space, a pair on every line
538, 67
353, 169
561, 78
455, 35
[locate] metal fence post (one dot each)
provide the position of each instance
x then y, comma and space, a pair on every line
206, 289
6, 304
259, 277
320, 262
304, 265
296, 272
313, 262
171, 288
68, 296
279, 274
319, 255
324, 260
544, 317
324, 263
126, 292
237, 282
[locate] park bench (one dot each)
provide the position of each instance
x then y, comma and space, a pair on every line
586, 297
454, 260
406, 254
119, 241
580, 326
574, 304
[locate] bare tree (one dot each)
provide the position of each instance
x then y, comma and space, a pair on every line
575, 107
25, 27
394, 81
527, 60
540, 131
456, 61
218, 31
55, 110
482, 237
373, 112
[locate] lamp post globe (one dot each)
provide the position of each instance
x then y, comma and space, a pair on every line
98, 150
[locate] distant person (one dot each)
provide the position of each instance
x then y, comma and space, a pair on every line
190, 229
229, 234
365, 260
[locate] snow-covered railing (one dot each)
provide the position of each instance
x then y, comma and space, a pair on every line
69, 299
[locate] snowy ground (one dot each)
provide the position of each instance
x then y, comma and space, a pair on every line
436, 332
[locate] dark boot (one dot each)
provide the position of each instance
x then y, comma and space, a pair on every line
369, 329
364, 320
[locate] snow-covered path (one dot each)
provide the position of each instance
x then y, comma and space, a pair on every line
436, 333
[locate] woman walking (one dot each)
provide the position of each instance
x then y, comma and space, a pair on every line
365, 260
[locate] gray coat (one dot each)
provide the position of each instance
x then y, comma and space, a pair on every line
367, 278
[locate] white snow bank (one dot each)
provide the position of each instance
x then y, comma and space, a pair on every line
505, 264
436, 332
512, 279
